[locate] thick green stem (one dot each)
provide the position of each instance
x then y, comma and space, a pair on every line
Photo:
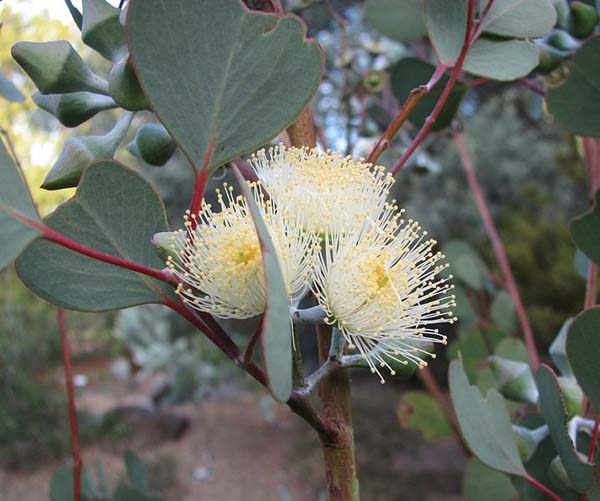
338, 448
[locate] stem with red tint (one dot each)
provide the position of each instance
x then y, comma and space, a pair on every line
253, 340
409, 105
201, 181
542, 488
64, 241
591, 150
594, 440
469, 40
533, 87
498, 248
77, 464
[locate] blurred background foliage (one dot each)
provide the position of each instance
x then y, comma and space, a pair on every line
529, 167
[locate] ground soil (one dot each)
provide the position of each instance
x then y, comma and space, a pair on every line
236, 448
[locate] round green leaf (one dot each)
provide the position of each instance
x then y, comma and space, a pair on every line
576, 103
417, 410
408, 74
446, 22
465, 263
585, 231
15, 201
501, 59
218, 74
401, 20
583, 352
114, 211
520, 18
503, 312
481, 482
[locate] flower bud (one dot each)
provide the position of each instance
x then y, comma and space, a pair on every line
153, 144
79, 152
101, 29
583, 20
125, 88
56, 68
75, 108
515, 379
572, 395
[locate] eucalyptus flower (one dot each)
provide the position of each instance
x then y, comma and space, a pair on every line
333, 193
217, 257
381, 287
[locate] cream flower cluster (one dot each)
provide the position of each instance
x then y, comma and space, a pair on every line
375, 274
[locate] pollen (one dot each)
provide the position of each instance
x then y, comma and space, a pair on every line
333, 192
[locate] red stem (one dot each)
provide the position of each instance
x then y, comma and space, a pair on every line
533, 87
77, 464
591, 149
253, 340
201, 181
469, 40
409, 105
542, 488
498, 247
64, 241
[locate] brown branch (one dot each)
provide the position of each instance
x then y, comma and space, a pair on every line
498, 248
469, 40
77, 463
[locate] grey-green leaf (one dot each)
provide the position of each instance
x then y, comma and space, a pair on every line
520, 18
9, 91
225, 76
552, 405
401, 20
465, 263
585, 231
481, 482
57, 68
446, 22
101, 29
114, 211
75, 108
15, 201
79, 152
485, 423
558, 350
503, 312
583, 351
576, 103
501, 59
136, 471
276, 332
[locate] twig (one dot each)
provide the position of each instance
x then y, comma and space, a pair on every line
533, 87
409, 105
312, 381
469, 40
592, 450
498, 248
77, 463
436, 392
253, 340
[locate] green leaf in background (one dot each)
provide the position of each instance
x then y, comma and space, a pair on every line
552, 405
79, 152
558, 350
481, 482
74, 108
276, 330
61, 485
467, 318
501, 59
411, 72
585, 230
136, 471
446, 22
515, 379
503, 312
114, 211
401, 20
475, 348
153, 144
513, 349
101, 29
583, 351
465, 263
9, 91
232, 79
14, 196
576, 103
56, 68
417, 410
519, 18
485, 423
